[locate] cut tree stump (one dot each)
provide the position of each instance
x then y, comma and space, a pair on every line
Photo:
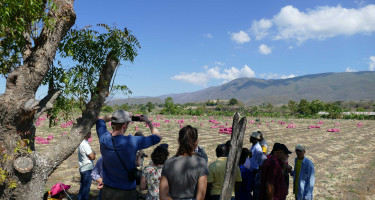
236, 142
23, 164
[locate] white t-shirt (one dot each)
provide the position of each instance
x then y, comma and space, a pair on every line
84, 150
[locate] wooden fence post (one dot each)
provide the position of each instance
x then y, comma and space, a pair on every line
238, 132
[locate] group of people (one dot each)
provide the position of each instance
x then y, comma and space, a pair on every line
187, 175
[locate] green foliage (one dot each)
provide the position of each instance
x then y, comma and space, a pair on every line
17, 19
316, 106
150, 106
125, 107
107, 108
142, 109
233, 101
360, 110
89, 49
304, 107
292, 106
333, 110
171, 108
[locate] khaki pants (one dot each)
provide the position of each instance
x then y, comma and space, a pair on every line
110, 193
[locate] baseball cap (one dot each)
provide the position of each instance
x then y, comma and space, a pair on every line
300, 147
120, 117
255, 135
280, 147
58, 187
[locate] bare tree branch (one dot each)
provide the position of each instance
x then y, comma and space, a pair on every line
47, 102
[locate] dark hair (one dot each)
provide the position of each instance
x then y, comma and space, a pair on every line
159, 155
138, 133
56, 196
187, 138
222, 150
244, 154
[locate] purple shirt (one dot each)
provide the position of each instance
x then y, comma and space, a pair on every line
272, 172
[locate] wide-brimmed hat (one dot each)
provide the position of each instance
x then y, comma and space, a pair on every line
58, 188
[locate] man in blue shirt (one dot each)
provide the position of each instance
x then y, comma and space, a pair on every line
115, 174
303, 175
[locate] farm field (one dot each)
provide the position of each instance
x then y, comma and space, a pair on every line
344, 161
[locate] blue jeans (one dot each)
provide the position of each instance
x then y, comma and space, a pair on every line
84, 190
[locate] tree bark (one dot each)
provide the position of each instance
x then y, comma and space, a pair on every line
20, 109
236, 142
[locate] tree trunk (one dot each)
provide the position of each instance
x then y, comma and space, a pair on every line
236, 142
20, 110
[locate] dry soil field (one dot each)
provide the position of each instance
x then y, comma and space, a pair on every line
344, 161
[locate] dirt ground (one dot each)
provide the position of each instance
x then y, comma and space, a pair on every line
344, 161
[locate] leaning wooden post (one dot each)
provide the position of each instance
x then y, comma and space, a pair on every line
236, 141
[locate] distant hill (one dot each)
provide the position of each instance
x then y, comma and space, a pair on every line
327, 87
140, 100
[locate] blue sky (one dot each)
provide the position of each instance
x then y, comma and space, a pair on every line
191, 45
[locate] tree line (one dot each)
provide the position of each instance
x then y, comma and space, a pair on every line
301, 109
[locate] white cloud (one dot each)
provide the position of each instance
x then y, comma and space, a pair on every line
240, 37
208, 35
201, 78
320, 23
219, 63
260, 28
287, 76
276, 76
264, 49
348, 69
372, 63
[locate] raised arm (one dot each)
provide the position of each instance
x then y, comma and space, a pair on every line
154, 131
106, 118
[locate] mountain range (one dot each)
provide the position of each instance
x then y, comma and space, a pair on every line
344, 86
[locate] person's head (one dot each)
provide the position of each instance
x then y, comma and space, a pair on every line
261, 138
254, 138
244, 154
159, 155
138, 133
281, 152
188, 140
120, 121
58, 191
88, 135
222, 150
300, 151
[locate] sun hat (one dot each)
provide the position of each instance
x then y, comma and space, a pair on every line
120, 117
300, 147
58, 187
280, 147
255, 135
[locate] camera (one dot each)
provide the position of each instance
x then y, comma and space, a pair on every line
136, 118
